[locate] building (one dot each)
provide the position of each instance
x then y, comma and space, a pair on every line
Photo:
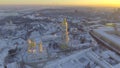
65, 37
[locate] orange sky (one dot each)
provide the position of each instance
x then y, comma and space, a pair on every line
106, 3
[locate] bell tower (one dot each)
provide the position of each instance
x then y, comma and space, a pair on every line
65, 37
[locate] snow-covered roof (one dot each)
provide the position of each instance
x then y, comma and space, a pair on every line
103, 32
3, 43
68, 62
35, 35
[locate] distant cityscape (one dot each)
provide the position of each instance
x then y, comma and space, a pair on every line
59, 37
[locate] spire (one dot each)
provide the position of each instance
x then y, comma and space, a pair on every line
40, 47
64, 22
65, 37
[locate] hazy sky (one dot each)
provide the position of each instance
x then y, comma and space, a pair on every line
111, 3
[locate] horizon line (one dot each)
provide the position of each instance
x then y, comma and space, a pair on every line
16, 5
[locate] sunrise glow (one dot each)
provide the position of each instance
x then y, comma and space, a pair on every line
102, 3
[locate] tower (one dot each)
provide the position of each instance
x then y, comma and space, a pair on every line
40, 47
31, 46
65, 38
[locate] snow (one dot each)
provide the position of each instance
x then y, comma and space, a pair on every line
9, 27
117, 66
2, 14
49, 37
3, 44
1, 66
66, 63
49, 32
12, 65
3, 54
35, 35
103, 32
108, 54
